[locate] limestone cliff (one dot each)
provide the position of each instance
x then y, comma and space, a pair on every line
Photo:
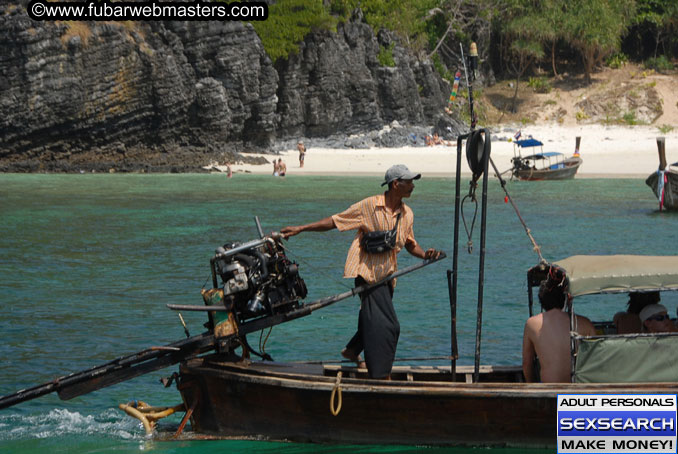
163, 96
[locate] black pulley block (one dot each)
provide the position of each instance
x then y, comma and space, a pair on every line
476, 147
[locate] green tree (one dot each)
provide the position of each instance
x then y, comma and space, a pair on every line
551, 12
527, 31
595, 28
404, 17
658, 18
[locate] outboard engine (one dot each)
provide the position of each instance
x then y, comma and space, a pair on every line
257, 278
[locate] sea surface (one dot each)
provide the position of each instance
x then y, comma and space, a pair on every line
88, 262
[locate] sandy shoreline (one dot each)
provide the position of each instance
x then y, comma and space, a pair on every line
607, 152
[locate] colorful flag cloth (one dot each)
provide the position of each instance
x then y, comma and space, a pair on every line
661, 182
517, 135
455, 86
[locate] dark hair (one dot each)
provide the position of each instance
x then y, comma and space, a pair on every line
551, 295
638, 300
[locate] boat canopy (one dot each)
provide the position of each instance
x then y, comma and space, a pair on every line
545, 155
590, 274
642, 359
528, 143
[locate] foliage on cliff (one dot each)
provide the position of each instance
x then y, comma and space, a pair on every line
516, 33
287, 24
290, 20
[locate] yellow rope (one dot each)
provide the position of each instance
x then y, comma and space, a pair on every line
130, 410
337, 387
156, 413
149, 415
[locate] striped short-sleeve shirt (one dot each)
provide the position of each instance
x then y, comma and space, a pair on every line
369, 215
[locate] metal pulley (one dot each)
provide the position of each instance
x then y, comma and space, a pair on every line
476, 149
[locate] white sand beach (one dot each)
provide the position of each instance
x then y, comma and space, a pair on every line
607, 152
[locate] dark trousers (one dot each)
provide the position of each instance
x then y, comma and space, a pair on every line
378, 329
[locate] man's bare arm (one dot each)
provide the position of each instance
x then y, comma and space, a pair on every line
322, 225
528, 356
416, 250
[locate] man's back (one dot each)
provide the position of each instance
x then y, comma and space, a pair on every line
547, 335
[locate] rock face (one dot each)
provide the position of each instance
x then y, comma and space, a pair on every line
635, 102
169, 96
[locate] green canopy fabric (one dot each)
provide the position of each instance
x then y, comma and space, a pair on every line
627, 360
589, 274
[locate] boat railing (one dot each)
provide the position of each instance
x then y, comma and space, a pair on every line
462, 374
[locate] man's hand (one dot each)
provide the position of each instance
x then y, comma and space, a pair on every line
416, 250
431, 254
289, 231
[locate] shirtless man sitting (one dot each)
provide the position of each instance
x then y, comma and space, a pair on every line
548, 335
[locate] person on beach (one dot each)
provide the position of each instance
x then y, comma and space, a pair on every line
282, 168
378, 326
656, 319
302, 152
275, 168
548, 335
629, 321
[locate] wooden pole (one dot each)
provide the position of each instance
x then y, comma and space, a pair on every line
577, 143
661, 148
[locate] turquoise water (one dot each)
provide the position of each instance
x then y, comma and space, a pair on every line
88, 263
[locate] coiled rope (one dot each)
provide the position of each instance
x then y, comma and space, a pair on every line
336, 391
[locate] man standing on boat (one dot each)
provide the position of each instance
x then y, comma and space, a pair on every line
548, 335
378, 326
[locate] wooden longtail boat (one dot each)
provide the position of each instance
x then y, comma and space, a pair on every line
423, 405
664, 182
427, 405
543, 165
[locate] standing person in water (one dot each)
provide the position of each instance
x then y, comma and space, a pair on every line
302, 152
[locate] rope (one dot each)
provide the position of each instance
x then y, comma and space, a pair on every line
262, 346
209, 277
130, 410
147, 414
535, 246
472, 196
336, 391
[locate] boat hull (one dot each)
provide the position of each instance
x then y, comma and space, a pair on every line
670, 189
571, 166
271, 402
